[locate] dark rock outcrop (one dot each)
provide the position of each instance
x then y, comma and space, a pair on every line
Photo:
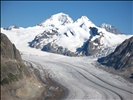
53, 48
121, 58
94, 45
11, 27
94, 31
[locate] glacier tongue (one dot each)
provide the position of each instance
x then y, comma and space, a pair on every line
82, 77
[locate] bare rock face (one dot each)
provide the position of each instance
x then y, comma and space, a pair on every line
94, 45
121, 58
110, 28
47, 34
18, 82
53, 48
8, 50
12, 27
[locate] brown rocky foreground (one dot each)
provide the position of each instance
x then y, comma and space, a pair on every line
21, 82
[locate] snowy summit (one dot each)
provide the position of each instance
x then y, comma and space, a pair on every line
56, 20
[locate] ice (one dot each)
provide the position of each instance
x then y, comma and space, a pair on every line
83, 80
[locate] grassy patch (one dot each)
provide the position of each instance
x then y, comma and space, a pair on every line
10, 78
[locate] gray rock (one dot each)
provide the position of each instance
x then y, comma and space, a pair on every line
95, 45
8, 50
45, 35
110, 28
122, 57
53, 48
11, 27
17, 80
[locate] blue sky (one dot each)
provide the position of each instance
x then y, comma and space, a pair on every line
30, 13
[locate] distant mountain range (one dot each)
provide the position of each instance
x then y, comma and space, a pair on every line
61, 35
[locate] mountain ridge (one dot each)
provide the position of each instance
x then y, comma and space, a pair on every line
58, 38
121, 59
60, 34
110, 28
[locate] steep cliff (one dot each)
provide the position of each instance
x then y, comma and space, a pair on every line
18, 82
122, 58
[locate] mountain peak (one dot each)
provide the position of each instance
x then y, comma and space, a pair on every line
84, 23
110, 28
84, 18
57, 19
60, 14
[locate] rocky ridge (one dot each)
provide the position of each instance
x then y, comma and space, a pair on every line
110, 28
18, 82
121, 59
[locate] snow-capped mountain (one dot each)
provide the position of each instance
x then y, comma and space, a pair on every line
81, 37
110, 28
84, 23
57, 20
60, 34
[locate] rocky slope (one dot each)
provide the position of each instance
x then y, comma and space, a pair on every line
12, 27
110, 28
18, 82
122, 58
